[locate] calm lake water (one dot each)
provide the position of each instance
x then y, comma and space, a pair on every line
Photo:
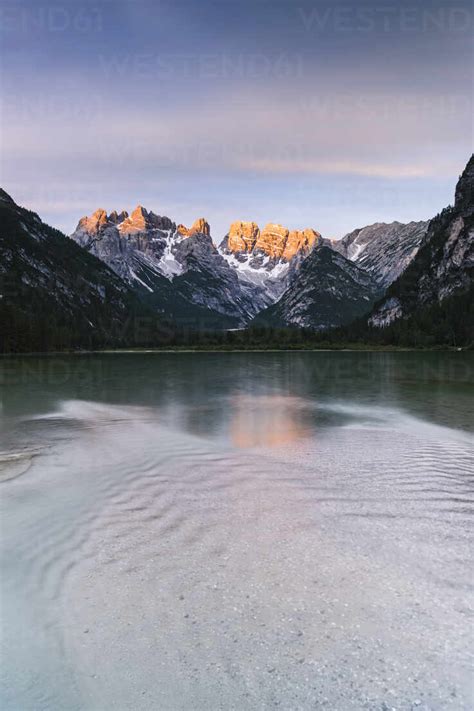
237, 531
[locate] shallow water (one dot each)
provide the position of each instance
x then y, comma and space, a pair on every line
237, 531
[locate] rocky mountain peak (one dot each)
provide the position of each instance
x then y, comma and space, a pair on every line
202, 226
139, 212
274, 240
384, 250
242, 236
199, 226
116, 217
464, 195
138, 221
94, 223
300, 242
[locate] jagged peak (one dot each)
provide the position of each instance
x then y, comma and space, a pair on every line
274, 239
137, 221
242, 236
99, 213
202, 226
139, 211
275, 227
199, 226
243, 225
94, 222
117, 217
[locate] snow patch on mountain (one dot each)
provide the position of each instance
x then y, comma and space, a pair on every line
168, 264
266, 275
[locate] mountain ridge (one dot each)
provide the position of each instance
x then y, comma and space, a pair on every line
327, 291
142, 247
118, 264
444, 264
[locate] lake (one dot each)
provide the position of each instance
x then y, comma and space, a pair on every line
237, 531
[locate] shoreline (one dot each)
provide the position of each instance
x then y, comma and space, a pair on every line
141, 351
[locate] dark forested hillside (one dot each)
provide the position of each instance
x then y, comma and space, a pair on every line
54, 294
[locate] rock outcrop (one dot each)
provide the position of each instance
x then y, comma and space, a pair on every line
444, 264
139, 221
384, 250
94, 223
242, 236
274, 241
199, 226
328, 290
265, 260
300, 242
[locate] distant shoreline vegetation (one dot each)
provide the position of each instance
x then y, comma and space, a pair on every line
446, 326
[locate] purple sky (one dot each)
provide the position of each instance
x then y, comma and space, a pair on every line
325, 114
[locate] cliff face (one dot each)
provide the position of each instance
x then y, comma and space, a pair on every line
444, 264
274, 241
328, 290
464, 193
300, 242
384, 250
199, 226
265, 260
242, 236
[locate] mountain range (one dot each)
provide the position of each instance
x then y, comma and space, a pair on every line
120, 266
270, 276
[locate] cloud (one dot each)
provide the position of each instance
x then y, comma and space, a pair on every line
378, 134
345, 168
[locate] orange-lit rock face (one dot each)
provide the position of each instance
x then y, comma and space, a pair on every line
272, 240
200, 225
94, 222
243, 236
300, 241
136, 222
275, 240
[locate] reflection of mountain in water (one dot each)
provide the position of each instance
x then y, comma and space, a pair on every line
268, 420
197, 391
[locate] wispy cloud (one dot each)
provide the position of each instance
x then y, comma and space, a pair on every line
346, 168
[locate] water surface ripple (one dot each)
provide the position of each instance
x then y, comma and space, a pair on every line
237, 531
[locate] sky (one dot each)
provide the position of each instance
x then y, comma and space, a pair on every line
323, 114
